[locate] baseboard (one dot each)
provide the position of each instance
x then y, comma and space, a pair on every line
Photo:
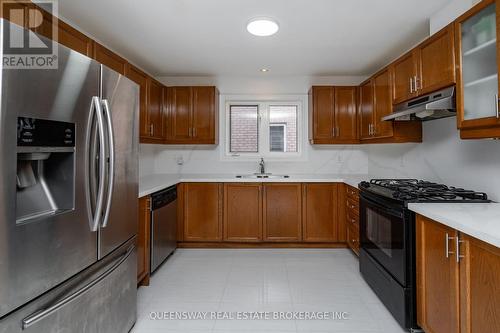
262, 245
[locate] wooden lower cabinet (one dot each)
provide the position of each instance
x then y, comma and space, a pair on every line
282, 212
319, 212
479, 286
143, 240
437, 278
202, 208
458, 281
243, 212
351, 217
263, 215
353, 238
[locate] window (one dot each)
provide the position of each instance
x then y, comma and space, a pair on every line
244, 123
263, 129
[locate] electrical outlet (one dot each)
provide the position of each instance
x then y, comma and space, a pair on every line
180, 160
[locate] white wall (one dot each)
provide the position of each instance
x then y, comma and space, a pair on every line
449, 13
200, 159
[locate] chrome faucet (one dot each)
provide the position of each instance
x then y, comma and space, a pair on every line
262, 166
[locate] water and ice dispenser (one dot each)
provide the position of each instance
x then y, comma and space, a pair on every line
45, 168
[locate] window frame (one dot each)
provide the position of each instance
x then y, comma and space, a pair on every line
263, 103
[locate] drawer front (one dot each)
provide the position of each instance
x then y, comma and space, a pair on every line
353, 238
352, 206
352, 193
352, 219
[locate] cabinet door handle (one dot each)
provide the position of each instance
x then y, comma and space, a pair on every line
457, 248
447, 245
496, 106
338, 131
151, 129
411, 85
417, 83
190, 132
194, 131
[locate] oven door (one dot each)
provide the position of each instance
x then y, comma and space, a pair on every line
384, 234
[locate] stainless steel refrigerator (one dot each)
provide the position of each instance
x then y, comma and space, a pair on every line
68, 198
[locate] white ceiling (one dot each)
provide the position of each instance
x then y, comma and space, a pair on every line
209, 37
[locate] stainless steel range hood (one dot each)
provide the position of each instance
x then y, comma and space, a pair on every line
439, 104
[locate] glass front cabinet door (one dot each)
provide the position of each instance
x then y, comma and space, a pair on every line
478, 112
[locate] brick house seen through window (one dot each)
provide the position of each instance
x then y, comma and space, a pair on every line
263, 128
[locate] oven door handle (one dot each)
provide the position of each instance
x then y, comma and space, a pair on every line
385, 209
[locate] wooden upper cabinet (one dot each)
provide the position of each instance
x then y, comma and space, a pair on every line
333, 115
322, 117
479, 286
375, 103
179, 113
143, 240
346, 117
366, 115
382, 106
404, 73
477, 54
319, 212
75, 40
243, 212
427, 68
109, 59
141, 78
202, 212
282, 217
437, 278
436, 59
156, 110
16, 13
44, 23
205, 114
193, 115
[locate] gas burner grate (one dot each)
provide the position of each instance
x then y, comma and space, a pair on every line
424, 191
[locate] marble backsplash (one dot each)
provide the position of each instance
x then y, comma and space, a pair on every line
207, 160
442, 157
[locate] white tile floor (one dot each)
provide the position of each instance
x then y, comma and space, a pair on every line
284, 280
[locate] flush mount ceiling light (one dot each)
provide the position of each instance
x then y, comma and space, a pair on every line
264, 70
263, 27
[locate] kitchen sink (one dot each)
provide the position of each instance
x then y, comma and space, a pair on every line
262, 176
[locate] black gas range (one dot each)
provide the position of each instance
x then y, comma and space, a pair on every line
388, 237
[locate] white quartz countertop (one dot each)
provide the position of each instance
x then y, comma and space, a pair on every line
157, 182
479, 220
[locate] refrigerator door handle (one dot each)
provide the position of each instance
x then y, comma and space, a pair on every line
96, 111
41, 314
111, 178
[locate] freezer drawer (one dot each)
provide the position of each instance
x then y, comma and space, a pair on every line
100, 299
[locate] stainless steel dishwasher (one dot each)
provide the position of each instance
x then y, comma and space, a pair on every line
163, 225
